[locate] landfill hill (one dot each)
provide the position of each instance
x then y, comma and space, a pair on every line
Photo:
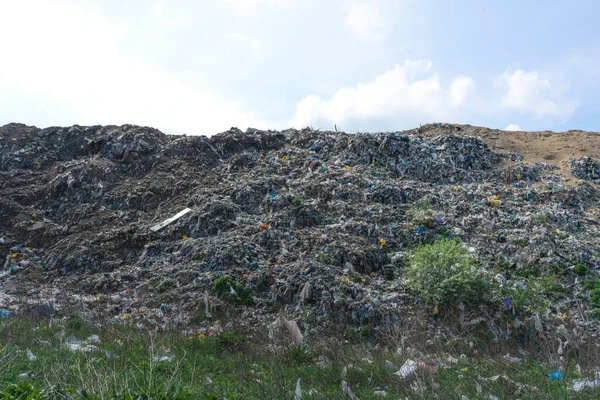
316, 225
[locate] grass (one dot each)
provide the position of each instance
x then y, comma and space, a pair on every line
131, 363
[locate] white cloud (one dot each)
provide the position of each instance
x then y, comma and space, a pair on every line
459, 90
513, 128
244, 8
366, 21
69, 71
250, 42
406, 95
533, 92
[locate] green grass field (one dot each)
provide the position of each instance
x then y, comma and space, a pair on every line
66, 361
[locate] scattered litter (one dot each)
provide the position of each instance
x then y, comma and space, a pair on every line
511, 359
298, 392
347, 391
292, 327
407, 369
30, 355
555, 376
581, 384
76, 345
168, 221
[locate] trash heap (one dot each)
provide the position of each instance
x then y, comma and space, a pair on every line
586, 168
129, 225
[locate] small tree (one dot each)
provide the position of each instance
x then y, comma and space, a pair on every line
444, 273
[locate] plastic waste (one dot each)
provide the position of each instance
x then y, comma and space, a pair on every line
408, 368
555, 376
298, 391
348, 392
30, 355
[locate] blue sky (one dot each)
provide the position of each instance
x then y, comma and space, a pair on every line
200, 67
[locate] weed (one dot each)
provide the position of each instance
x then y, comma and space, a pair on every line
300, 355
234, 292
444, 273
580, 269
229, 341
75, 322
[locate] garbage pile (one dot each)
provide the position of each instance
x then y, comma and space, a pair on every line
586, 168
129, 225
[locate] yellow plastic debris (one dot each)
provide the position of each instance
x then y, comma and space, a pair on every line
382, 241
285, 158
345, 279
348, 167
14, 255
185, 238
436, 310
519, 176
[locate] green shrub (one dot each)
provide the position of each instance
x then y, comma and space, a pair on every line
595, 298
297, 200
23, 390
229, 341
74, 322
300, 355
580, 269
222, 288
421, 216
444, 273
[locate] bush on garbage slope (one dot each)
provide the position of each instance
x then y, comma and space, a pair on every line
444, 273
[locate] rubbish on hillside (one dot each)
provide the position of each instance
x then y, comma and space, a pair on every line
519, 387
292, 327
348, 392
380, 393
163, 354
338, 240
585, 168
555, 376
76, 345
408, 368
298, 392
581, 384
169, 221
511, 359
4, 313
30, 355
538, 323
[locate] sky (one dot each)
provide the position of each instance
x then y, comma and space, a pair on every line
203, 66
